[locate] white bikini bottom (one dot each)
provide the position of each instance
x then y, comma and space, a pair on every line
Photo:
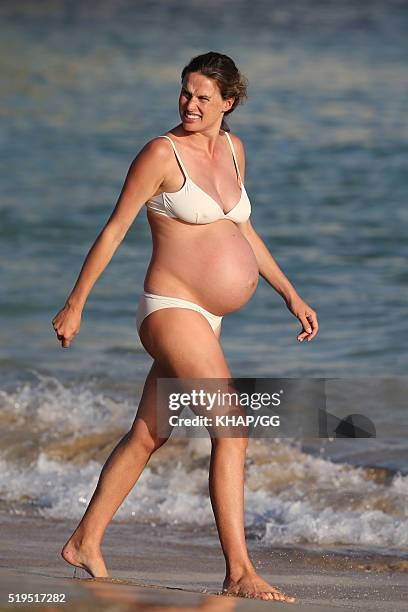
150, 302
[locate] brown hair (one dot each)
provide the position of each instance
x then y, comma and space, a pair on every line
221, 68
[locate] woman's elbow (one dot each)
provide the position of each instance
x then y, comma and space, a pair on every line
115, 232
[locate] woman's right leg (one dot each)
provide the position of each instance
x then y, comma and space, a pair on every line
119, 475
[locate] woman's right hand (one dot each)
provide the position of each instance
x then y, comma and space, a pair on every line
67, 323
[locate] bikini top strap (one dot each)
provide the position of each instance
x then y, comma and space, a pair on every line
234, 156
177, 155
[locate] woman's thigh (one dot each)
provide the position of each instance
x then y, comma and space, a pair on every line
183, 343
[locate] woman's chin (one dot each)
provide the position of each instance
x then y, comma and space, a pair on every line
188, 125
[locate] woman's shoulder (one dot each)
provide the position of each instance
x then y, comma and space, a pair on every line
158, 149
237, 142
239, 151
154, 156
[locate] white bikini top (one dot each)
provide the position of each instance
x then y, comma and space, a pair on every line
193, 205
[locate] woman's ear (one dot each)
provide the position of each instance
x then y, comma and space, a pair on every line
228, 104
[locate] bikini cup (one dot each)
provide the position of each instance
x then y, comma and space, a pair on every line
193, 205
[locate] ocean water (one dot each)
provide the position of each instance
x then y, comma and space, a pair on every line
326, 135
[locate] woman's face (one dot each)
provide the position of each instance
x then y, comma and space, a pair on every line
200, 103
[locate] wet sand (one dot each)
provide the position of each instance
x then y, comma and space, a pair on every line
163, 568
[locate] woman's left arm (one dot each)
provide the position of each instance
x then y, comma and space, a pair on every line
270, 271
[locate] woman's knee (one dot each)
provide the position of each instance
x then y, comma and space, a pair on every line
229, 443
146, 442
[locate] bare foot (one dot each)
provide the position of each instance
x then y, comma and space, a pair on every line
88, 557
253, 586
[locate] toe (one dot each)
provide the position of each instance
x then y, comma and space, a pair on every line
288, 598
278, 595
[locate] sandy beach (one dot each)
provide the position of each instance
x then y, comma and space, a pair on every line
166, 569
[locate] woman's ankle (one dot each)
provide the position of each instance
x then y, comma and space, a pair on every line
85, 540
235, 571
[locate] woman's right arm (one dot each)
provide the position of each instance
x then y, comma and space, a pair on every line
143, 179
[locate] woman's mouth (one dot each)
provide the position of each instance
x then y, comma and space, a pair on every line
191, 116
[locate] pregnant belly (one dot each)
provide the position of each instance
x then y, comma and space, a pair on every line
213, 265
227, 274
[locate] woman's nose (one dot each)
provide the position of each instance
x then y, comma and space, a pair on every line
191, 104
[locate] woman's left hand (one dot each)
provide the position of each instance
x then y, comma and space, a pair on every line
306, 315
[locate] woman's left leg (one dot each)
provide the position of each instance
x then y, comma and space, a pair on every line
227, 498
226, 485
184, 344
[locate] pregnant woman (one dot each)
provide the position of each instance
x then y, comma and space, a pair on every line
205, 264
